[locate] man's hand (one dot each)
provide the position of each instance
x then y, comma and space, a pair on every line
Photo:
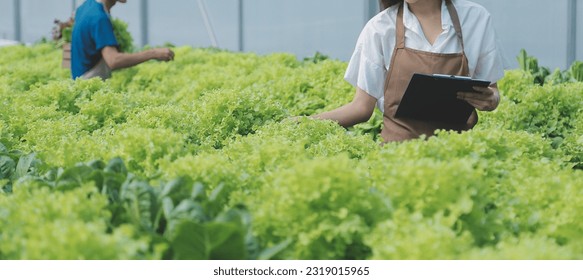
163, 54
118, 60
485, 99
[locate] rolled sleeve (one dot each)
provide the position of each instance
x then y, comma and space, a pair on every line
365, 69
490, 67
490, 63
103, 33
368, 76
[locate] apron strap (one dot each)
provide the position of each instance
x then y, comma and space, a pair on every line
100, 70
456, 22
400, 29
452, 13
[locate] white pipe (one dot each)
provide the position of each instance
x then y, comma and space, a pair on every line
17, 21
241, 26
144, 22
207, 23
571, 32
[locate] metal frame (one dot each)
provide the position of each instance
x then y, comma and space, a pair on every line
144, 28
207, 23
371, 9
571, 32
241, 26
17, 21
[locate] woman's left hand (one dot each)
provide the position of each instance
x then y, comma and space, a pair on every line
485, 99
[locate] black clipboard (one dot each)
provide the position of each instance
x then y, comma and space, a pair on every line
434, 98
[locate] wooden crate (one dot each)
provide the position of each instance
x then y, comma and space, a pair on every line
66, 56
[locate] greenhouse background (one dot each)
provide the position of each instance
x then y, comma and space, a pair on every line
221, 154
546, 30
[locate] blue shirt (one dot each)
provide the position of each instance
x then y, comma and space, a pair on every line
92, 32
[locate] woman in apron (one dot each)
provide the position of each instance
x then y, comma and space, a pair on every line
452, 37
94, 48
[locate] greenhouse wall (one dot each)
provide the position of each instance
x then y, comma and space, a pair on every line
303, 27
579, 38
6, 19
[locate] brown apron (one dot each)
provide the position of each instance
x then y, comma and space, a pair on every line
404, 63
100, 70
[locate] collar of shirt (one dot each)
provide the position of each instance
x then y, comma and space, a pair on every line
100, 2
412, 23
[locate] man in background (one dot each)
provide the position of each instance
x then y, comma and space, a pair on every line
94, 48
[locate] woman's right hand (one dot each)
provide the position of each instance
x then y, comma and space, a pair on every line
484, 99
358, 111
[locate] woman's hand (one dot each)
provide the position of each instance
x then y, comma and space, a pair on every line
358, 111
293, 119
485, 99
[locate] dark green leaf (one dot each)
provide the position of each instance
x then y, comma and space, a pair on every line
6, 188
198, 192
188, 210
73, 177
96, 164
116, 165
177, 189
167, 207
216, 193
271, 252
216, 200
189, 241
7, 166
24, 164
139, 201
238, 215
227, 241
112, 183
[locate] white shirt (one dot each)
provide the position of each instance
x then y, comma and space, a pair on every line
371, 59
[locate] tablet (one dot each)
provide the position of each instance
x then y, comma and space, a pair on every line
434, 98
